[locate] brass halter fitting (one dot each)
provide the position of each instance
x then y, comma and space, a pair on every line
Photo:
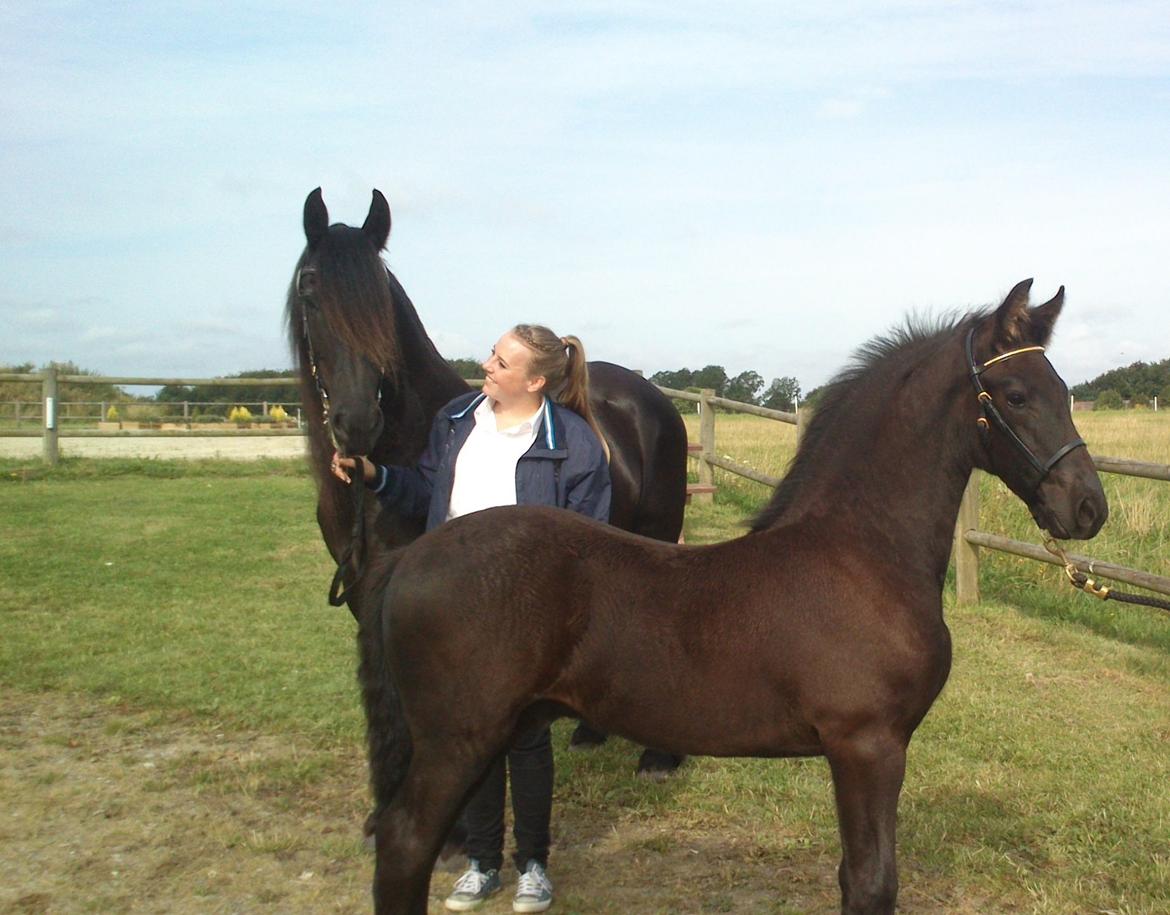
1077, 578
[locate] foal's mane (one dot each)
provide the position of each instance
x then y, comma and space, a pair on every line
856, 396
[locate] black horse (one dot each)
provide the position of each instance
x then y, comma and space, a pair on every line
819, 633
372, 382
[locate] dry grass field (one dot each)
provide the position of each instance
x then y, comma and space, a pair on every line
179, 729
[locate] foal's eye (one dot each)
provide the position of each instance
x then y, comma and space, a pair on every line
1016, 398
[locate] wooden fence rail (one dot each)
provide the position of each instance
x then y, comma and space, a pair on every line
968, 538
50, 379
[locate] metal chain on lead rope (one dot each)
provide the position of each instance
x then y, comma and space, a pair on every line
1083, 582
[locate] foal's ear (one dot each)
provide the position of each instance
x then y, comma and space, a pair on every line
377, 224
316, 218
1042, 318
1011, 318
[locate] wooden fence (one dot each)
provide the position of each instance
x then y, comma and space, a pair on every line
968, 538
50, 379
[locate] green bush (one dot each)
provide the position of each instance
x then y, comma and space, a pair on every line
1109, 400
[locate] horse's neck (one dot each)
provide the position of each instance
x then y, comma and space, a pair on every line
424, 370
898, 486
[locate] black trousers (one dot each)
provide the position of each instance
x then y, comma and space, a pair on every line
531, 763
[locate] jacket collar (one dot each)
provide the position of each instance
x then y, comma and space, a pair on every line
549, 432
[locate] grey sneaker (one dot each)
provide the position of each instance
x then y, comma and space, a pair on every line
473, 888
533, 890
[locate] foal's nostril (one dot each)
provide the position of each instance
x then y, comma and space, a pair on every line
1091, 514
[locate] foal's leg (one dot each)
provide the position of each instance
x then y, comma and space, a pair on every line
867, 778
412, 828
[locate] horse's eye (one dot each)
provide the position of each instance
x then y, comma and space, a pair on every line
1016, 398
306, 281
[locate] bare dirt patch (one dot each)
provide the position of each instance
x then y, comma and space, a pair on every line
243, 448
112, 810
117, 810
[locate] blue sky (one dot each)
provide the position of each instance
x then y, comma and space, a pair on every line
760, 185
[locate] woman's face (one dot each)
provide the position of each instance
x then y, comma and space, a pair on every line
505, 372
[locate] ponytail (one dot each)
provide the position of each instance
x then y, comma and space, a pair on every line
561, 360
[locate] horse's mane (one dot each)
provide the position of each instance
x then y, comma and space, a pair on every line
856, 396
353, 294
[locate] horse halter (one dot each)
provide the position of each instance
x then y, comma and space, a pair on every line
305, 295
992, 416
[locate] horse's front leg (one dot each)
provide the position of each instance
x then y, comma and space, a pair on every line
867, 779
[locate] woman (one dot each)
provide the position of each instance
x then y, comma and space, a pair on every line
530, 439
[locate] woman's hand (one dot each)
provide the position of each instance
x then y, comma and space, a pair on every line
340, 467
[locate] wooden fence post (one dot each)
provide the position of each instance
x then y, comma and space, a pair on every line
967, 554
803, 417
707, 442
50, 413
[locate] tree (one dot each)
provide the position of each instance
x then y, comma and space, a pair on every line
67, 391
678, 380
467, 368
782, 394
711, 376
1134, 380
812, 397
1109, 399
745, 387
227, 395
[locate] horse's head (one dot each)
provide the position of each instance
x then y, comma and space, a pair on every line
341, 320
1028, 437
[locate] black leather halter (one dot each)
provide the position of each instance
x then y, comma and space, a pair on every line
992, 416
350, 558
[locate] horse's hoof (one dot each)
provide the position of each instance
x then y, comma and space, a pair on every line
585, 738
658, 765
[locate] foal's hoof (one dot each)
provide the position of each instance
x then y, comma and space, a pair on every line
585, 738
658, 765
369, 838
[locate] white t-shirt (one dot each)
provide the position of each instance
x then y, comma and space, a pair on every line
485, 469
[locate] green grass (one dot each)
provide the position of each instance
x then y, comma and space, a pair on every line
176, 586
197, 591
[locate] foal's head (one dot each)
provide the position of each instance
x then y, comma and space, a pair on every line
341, 321
1027, 436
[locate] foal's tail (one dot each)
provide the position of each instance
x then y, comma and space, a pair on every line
387, 737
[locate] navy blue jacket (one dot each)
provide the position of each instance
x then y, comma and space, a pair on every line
565, 467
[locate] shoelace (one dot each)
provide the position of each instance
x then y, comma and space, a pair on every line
533, 883
472, 881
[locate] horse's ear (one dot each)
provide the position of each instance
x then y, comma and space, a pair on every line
1042, 318
377, 224
1011, 318
316, 218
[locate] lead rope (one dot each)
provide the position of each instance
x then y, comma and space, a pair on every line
356, 546
1083, 582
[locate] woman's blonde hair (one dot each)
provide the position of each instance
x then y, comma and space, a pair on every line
561, 360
